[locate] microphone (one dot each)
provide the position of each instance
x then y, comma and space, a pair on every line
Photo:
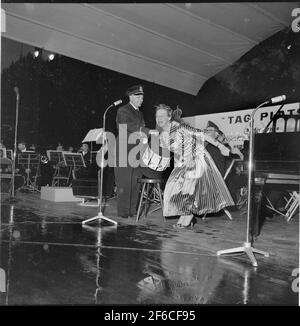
16, 89
277, 99
117, 103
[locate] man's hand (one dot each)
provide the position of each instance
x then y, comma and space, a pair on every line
224, 150
235, 150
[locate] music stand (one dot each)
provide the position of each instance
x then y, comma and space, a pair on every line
55, 156
10, 154
3, 152
30, 160
74, 160
92, 136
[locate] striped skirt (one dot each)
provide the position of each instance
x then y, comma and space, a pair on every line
196, 187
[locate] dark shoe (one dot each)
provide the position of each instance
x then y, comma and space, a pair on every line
193, 222
270, 217
133, 215
124, 216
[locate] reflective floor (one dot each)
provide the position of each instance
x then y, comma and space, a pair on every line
47, 257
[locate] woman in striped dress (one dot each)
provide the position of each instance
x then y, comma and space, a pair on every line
195, 185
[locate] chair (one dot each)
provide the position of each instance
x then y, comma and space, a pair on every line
62, 173
6, 177
150, 193
292, 204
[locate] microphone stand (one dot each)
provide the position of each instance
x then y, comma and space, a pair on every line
273, 118
247, 247
12, 195
100, 180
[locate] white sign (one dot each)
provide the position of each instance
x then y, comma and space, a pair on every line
3, 21
235, 124
2, 280
296, 21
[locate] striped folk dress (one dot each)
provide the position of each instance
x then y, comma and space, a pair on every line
195, 186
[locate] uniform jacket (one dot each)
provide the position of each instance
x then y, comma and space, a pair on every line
134, 119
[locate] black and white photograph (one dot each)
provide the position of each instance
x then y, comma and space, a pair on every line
150, 156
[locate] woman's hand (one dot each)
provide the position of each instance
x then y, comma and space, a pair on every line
164, 139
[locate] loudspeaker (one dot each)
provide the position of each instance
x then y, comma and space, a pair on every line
85, 188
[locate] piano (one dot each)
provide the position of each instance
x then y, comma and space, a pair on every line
276, 170
277, 153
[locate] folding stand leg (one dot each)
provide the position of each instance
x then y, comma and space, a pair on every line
288, 201
290, 207
228, 214
30, 186
147, 203
155, 209
248, 249
294, 206
99, 216
161, 201
140, 203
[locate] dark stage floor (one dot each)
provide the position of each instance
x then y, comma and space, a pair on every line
49, 258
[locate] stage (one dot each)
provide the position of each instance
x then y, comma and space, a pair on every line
49, 258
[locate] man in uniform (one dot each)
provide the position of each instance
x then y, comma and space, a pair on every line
129, 118
233, 181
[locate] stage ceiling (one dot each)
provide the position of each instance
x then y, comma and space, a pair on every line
177, 45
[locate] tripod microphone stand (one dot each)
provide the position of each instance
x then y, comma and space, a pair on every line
100, 215
247, 247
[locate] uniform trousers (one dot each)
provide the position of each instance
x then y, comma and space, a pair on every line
127, 189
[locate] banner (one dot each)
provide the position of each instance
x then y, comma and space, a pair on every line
235, 124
